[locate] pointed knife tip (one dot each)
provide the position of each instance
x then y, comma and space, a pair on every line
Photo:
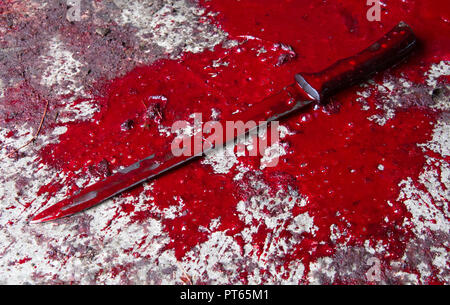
36, 220
40, 218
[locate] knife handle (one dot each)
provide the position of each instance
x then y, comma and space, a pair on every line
391, 49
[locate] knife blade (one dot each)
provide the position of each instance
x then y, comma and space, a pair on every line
308, 88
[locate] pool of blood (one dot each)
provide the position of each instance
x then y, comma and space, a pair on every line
348, 167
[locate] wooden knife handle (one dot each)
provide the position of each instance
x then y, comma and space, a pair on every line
386, 52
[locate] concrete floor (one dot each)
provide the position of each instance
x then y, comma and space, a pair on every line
45, 58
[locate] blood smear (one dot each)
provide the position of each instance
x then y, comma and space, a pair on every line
346, 166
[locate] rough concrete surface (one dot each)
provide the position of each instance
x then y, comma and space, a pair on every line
45, 58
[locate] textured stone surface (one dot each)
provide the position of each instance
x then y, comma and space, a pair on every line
44, 57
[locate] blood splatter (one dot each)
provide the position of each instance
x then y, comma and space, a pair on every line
346, 166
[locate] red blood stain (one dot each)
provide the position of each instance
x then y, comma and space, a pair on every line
347, 166
350, 168
131, 115
322, 32
23, 260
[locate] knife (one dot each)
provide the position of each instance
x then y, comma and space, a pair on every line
307, 89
